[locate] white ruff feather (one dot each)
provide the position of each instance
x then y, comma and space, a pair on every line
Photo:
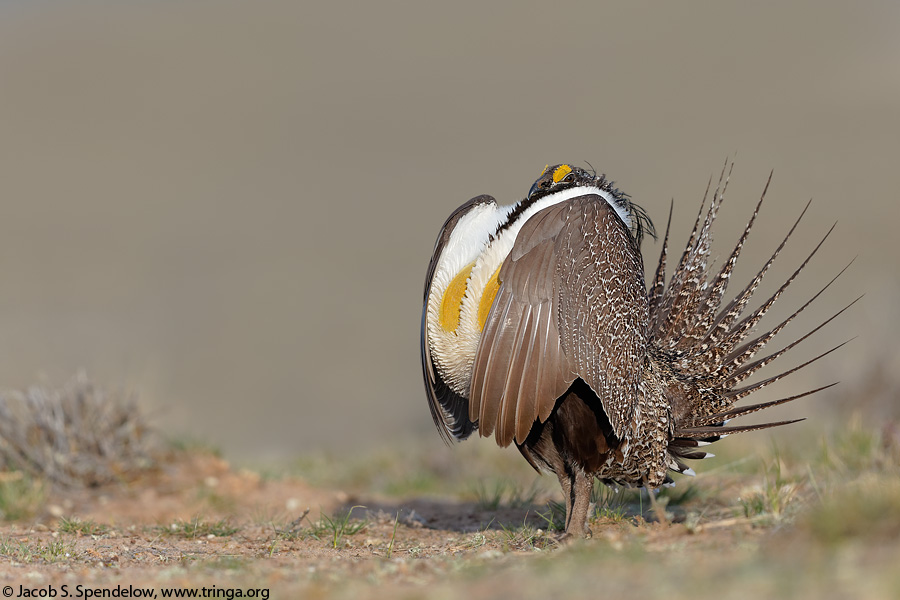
466, 243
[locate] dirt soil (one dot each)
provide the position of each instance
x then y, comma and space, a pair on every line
196, 523
162, 527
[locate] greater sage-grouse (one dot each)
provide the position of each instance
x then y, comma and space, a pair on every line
537, 327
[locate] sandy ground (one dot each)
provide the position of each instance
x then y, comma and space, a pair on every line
142, 534
195, 523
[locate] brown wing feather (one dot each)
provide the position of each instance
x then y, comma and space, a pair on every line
571, 304
519, 345
603, 306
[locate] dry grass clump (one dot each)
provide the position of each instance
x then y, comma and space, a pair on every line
75, 435
858, 487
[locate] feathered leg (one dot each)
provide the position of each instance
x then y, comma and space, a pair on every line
575, 482
580, 485
566, 478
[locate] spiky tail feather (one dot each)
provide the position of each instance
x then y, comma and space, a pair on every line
700, 342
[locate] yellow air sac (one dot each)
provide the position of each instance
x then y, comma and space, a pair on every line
452, 300
487, 298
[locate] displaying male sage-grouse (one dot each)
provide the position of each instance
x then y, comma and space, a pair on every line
537, 327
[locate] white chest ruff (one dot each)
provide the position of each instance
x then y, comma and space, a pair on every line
476, 239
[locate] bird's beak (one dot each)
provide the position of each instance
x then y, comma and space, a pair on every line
533, 189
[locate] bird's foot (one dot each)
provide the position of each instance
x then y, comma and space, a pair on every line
568, 537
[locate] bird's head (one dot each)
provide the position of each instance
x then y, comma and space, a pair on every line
559, 177
556, 178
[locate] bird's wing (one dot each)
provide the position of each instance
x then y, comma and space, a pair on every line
448, 409
571, 304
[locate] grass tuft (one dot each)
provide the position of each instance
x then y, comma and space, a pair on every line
53, 552
525, 537
390, 548
21, 496
337, 527
610, 503
554, 516
771, 500
197, 527
77, 526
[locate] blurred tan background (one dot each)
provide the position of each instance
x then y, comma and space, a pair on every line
228, 207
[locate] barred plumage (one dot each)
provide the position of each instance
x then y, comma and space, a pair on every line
590, 374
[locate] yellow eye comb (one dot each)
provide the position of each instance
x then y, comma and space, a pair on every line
560, 172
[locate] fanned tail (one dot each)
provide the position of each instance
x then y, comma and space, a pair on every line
702, 343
